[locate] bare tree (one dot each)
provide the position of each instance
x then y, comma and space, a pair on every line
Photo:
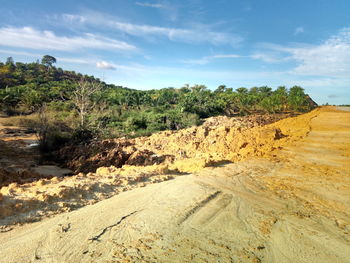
83, 98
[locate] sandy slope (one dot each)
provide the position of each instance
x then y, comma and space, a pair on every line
291, 207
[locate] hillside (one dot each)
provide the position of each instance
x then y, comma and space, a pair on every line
72, 102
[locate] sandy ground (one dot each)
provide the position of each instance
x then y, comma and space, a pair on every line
291, 206
41, 191
15, 154
19, 156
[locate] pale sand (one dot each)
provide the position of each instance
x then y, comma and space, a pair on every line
293, 207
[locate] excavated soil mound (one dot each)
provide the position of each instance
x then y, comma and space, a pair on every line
292, 206
126, 164
208, 143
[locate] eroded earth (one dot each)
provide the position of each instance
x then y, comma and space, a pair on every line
273, 193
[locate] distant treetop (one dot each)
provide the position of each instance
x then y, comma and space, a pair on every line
48, 60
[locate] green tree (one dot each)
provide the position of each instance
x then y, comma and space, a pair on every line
48, 60
242, 90
297, 99
282, 94
9, 61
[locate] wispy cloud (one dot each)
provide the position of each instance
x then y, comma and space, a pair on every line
298, 30
74, 18
226, 56
269, 57
195, 34
104, 65
332, 96
330, 58
207, 59
145, 4
20, 53
74, 60
28, 37
179, 34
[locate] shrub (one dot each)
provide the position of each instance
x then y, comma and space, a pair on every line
82, 135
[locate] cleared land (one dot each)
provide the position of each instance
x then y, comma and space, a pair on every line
287, 200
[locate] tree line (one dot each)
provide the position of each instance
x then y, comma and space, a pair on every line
93, 104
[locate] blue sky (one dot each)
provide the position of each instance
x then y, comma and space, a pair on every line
162, 43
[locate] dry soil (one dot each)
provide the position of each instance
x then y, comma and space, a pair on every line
287, 201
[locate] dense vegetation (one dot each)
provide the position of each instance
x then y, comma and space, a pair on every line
83, 103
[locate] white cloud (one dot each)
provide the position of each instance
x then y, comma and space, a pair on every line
197, 34
145, 4
298, 30
226, 56
207, 59
331, 58
28, 37
73, 18
105, 65
75, 60
269, 57
20, 53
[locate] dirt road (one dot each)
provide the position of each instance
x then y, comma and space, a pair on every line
291, 207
